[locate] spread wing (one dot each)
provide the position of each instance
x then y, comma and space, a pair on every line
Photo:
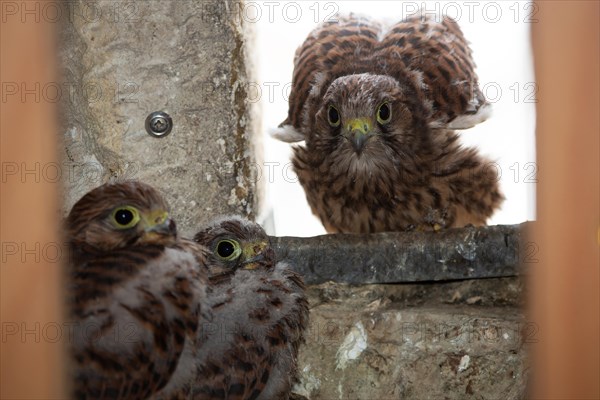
438, 55
431, 56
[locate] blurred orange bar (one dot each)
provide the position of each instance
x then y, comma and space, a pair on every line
33, 333
566, 281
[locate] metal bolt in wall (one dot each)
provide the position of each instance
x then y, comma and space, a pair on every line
159, 124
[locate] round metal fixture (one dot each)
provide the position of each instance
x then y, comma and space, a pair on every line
159, 124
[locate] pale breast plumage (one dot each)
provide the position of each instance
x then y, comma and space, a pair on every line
259, 313
135, 295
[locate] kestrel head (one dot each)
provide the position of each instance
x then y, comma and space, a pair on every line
236, 243
366, 117
117, 215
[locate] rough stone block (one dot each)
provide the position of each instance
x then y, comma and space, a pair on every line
454, 340
124, 60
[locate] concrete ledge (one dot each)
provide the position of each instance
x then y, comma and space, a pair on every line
461, 253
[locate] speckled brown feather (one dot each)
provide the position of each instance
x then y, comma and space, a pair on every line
134, 304
445, 186
411, 172
259, 317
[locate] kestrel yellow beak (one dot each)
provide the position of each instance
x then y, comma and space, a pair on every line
358, 131
158, 223
253, 253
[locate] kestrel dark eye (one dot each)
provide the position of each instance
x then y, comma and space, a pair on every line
228, 249
333, 116
125, 217
384, 113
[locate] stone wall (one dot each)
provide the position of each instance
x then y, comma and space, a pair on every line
415, 315
454, 340
124, 60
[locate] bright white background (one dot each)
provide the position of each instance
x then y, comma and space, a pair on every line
499, 36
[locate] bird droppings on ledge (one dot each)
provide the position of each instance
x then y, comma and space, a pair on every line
464, 363
353, 345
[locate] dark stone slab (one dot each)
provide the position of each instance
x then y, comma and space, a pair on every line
393, 257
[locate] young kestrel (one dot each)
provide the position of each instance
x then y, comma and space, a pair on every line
259, 312
135, 296
377, 108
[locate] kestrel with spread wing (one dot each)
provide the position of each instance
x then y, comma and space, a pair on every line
378, 108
